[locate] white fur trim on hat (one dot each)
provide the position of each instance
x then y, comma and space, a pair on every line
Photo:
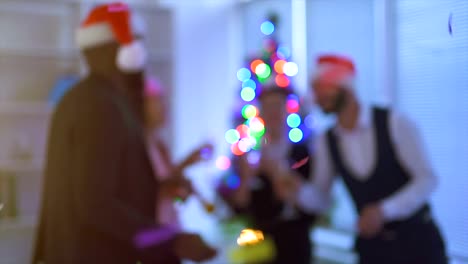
101, 33
132, 57
347, 80
94, 35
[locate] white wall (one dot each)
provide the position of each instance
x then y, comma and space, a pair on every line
343, 27
207, 56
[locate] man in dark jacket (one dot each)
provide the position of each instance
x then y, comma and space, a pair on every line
99, 189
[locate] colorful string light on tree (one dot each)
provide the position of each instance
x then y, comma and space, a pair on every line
223, 163
248, 94
243, 130
232, 136
295, 135
290, 69
271, 66
279, 65
283, 52
243, 74
249, 111
293, 120
232, 181
267, 27
263, 71
254, 64
282, 81
235, 149
257, 126
292, 106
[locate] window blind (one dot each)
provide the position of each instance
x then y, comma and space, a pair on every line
432, 86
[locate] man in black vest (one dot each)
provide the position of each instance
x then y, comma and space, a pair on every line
381, 160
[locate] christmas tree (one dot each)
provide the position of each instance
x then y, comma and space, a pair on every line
271, 66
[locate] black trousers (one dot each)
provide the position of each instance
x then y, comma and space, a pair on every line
292, 242
419, 243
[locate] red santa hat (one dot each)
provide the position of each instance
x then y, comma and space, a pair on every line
335, 70
114, 22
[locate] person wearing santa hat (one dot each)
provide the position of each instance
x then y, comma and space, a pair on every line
99, 185
380, 157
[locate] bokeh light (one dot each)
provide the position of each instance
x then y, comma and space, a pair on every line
253, 158
279, 64
281, 80
206, 153
235, 149
257, 125
232, 136
232, 181
292, 106
272, 62
283, 52
247, 94
293, 120
243, 130
223, 163
254, 64
249, 83
250, 237
243, 74
246, 144
267, 28
293, 97
290, 69
249, 111
295, 135
263, 71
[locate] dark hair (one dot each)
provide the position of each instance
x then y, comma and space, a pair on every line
274, 89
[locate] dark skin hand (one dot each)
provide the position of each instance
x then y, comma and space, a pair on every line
177, 185
192, 247
371, 221
194, 157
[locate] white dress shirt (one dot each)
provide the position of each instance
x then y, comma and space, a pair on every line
357, 148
